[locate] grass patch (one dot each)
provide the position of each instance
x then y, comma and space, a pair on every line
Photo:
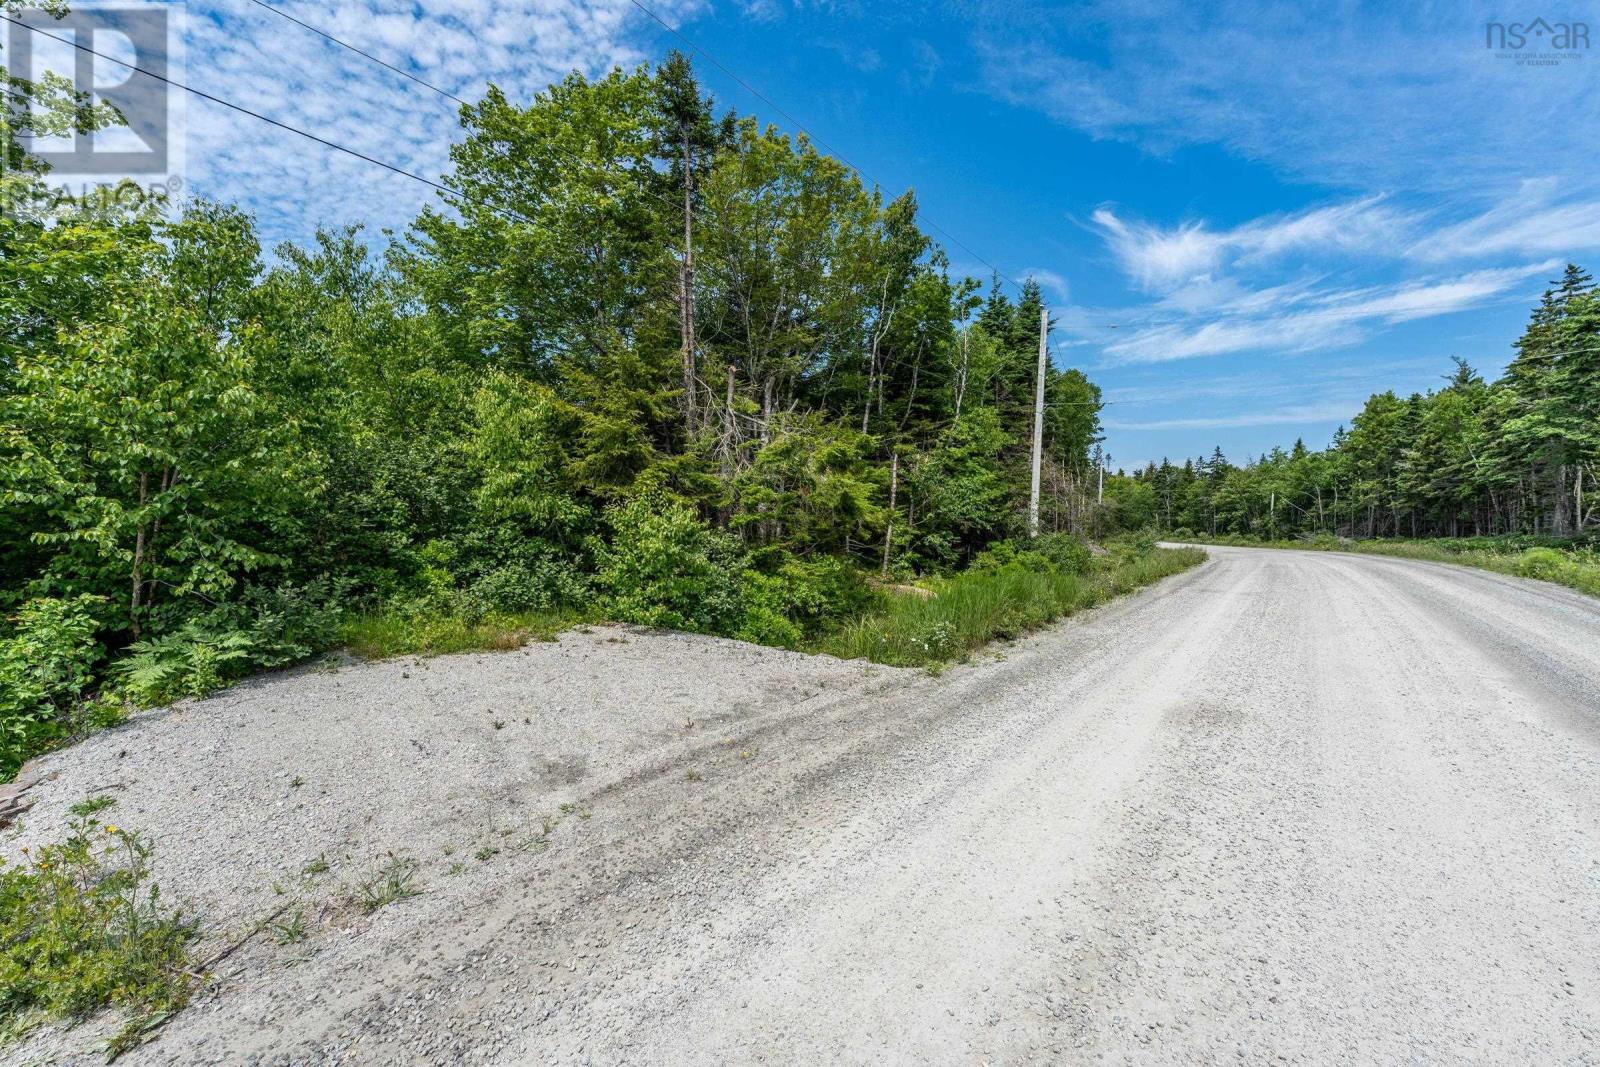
83, 927
974, 608
1574, 564
395, 880
395, 632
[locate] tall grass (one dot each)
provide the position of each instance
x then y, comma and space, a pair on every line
1572, 564
398, 631
975, 608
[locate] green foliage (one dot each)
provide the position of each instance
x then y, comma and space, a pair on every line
664, 567
267, 627
651, 365
1000, 601
83, 926
399, 629
46, 663
393, 880
1055, 553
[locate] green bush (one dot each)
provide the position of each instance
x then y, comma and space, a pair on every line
82, 927
1056, 553
1546, 564
46, 665
265, 628
664, 567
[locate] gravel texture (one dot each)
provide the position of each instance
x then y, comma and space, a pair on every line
1297, 807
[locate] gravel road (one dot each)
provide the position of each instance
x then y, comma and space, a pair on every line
1288, 806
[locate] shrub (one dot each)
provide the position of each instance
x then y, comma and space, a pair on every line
665, 568
82, 927
1068, 554
46, 664
1546, 564
1046, 554
265, 628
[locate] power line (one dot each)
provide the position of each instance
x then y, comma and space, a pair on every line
358, 51
759, 95
270, 121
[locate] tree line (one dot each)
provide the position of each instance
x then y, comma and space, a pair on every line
1519, 455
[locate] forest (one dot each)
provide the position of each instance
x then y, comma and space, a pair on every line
1516, 456
644, 361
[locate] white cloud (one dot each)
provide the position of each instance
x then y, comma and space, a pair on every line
1533, 220
1330, 319
261, 61
1402, 97
1052, 282
1163, 258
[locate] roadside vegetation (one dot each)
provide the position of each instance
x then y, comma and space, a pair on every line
531, 407
1573, 563
84, 927
1009, 591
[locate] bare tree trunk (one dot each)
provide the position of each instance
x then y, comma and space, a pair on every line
686, 298
137, 595
888, 529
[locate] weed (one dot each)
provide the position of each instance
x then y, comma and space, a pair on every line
499, 724
83, 926
692, 775
486, 853
290, 930
455, 868
395, 880
296, 782
316, 866
92, 805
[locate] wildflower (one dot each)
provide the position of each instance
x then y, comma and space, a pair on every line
111, 828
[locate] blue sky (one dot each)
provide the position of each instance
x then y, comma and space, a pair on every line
1246, 217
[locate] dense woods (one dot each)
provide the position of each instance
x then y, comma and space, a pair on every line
1520, 455
645, 357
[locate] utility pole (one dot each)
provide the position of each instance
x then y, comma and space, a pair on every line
1038, 425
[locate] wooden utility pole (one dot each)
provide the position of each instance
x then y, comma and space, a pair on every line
1038, 425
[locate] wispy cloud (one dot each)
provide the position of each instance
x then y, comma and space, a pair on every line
1535, 219
1052, 282
1159, 257
261, 61
1322, 320
1361, 96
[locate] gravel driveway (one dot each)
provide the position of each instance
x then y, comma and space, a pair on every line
1321, 808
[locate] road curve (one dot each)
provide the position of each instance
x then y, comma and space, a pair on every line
1317, 808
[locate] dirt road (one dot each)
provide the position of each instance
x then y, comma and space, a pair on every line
1315, 808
